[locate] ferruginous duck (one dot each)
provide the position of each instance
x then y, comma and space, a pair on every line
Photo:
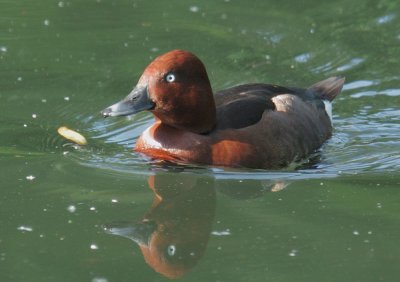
257, 125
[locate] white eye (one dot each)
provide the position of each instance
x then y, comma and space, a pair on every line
170, 77
171, 250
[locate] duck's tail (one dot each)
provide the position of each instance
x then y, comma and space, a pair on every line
329, 88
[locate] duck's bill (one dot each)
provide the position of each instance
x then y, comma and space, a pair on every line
138, 100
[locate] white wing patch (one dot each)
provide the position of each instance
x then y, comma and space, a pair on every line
328, 108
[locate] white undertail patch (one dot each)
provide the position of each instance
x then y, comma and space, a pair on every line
328, 108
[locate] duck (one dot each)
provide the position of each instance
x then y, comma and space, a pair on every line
255, 125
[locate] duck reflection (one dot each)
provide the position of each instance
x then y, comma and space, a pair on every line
174, 233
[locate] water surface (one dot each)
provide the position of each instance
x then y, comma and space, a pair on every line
61, 62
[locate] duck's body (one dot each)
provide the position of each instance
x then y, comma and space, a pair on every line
253, 125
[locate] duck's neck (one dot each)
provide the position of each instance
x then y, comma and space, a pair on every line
198, 117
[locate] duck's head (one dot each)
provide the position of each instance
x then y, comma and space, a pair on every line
176, 89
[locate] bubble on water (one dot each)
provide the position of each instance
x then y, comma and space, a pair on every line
356, 233
46, 22
194, 9
34, 115
114, 201
61, 4
44, 100
66, 98
19, 78
3, 49
71, 208
293, 253
92, 208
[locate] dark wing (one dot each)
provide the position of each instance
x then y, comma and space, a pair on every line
244, 105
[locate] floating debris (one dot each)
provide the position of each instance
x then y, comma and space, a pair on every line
226, 232
25, 228
94, 247
72, 135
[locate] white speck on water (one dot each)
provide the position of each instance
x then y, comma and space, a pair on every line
126, 44
69, 221
366, 241
224, 16
293, 253
65, 153
44, 101
41, 235
66, 98
19, 78
3, 49
71, 208
356, 233
94, 247
219, 248
226, 232
61, 4
30, 177
385, 19
114, 201
303, 58
369, 232
379, 205
34, 115
321, 184
92, 208
25, 228
192, 254
194, 9
155, 49
46, 22
99, 279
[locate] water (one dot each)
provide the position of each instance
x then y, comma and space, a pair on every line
72, 213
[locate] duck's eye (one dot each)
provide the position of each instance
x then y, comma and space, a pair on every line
170, 77
171, 250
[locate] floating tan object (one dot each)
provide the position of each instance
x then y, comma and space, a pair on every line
72, 135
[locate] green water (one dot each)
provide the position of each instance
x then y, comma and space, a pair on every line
61, 62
